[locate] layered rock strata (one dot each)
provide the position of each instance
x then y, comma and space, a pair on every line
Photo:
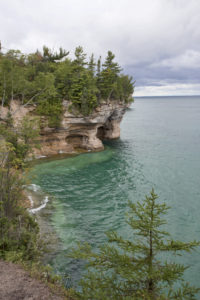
76, 132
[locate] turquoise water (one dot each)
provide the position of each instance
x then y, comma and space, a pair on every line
159, 147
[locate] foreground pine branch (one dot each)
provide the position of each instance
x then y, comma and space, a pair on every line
131, 269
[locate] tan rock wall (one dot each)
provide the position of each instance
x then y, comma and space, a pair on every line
76, 132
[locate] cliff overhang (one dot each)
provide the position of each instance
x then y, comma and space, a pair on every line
76, 132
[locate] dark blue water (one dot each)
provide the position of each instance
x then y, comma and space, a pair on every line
159, 147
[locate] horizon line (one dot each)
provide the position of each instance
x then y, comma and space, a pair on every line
167, 96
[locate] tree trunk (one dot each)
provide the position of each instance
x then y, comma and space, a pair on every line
4, 90
150, 280
150, 283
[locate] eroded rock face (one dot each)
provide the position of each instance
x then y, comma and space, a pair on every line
16, 110
76, 132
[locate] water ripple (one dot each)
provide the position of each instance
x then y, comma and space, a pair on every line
159, 147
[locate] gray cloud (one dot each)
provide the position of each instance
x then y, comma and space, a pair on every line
157, 41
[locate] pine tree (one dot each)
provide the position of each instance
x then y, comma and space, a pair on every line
99, 66
110, 64
48, 55
108, 76
131, 269
46, 78
83, 93
98, 79
124, 88
91, 65
83, 88
80, 57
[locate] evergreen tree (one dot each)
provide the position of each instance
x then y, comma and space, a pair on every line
91, 65
132, 269
98, 79
124, 88
80, 58
99, 67
83, 93
48, 55
46, 78
64, 78
109, 75
110, 64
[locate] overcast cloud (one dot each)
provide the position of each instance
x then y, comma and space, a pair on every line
157, 41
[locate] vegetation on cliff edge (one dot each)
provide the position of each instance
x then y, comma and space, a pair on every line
46, 78
20, 239
19, 233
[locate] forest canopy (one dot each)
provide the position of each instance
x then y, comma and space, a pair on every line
47, 77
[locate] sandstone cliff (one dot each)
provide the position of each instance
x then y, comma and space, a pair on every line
76, 132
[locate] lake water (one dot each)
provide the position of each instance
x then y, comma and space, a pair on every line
159, 147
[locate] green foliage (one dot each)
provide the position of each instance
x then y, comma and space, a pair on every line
131, 269
20, 240
64, 78
52, 109
91, 65
48, 101
80, 58
19, 233
28, 131
46, 78
124, 88
48, 55
20, 140
46, 275
83, 93
109, 76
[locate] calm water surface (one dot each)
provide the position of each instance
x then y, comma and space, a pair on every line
159, 147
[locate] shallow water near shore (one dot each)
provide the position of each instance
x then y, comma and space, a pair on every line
159, 147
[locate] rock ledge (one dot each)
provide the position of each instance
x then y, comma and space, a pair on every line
76, 132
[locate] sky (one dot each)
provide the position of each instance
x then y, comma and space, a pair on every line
155, 41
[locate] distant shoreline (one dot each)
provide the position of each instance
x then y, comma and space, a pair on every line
177, 96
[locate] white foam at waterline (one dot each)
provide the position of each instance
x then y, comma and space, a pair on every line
34, 210
40, 156
34, 187
31, 200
